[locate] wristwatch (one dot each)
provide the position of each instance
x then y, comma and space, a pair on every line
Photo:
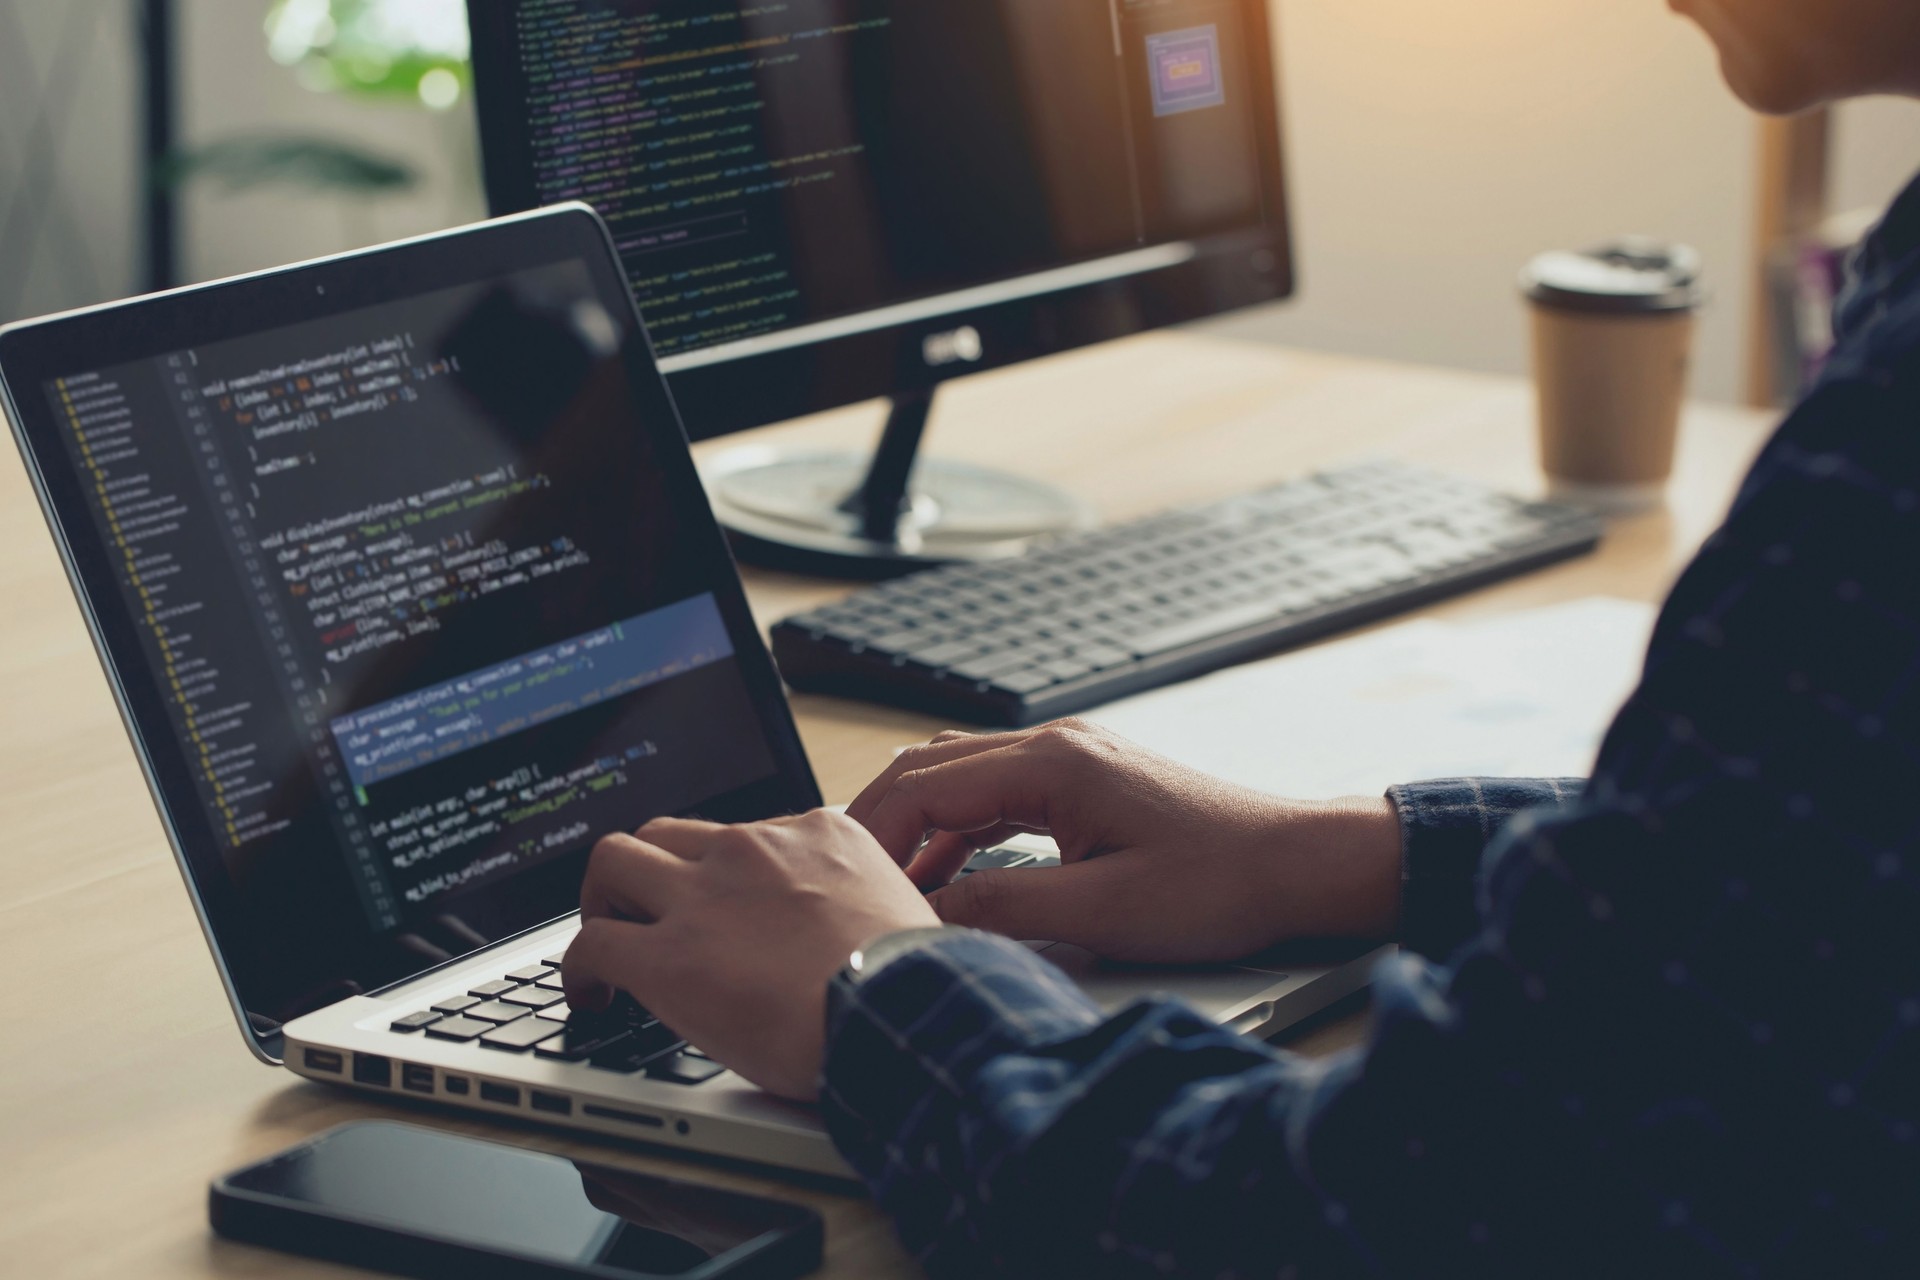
883, 951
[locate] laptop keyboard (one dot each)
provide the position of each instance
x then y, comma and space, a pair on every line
526, 1011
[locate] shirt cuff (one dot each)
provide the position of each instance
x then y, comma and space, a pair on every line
916, 1032
1445, 828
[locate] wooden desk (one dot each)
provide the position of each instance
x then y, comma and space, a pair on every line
125, 1087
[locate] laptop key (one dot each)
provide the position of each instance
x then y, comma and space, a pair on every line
533, 998
638, 1050
491, 990
577, 1044
497, 1011
551, 982
684, 1068
532, 973
458, 1028
554, 962
415, 1021
459, 1004
518, 1037
557, 1013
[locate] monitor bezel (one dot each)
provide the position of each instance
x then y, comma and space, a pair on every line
1226, 273
34, 353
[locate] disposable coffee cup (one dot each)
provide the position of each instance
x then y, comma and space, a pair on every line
1612, 344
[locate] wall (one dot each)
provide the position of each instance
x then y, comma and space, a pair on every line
1434, 147
1876, 153
67, 154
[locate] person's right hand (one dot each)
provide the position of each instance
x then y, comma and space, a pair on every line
1160, 863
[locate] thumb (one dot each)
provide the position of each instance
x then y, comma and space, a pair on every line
1029, 904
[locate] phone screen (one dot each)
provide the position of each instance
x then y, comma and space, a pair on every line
522, 1203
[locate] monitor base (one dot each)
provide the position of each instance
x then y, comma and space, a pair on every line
842, 515
789, 511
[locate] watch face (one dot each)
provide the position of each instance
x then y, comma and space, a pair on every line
881, 952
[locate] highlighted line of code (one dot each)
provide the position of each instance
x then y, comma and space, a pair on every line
443, 720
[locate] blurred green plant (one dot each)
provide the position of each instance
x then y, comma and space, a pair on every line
379, 48
393, 50
317, 164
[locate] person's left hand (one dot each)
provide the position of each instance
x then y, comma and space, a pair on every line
730, 935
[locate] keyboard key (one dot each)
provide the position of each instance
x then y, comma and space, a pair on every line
945, 655
459, 1004
577, 1044
518, 1037
992, 664
489, 990
551, 982
532, 973
684, 1068
637, 1050
415, 1021
554, 962
457, 1028
558, 1013
498, 1011
1205, 627
533, 998
1032, 681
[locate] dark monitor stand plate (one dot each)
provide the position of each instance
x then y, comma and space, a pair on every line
847, 514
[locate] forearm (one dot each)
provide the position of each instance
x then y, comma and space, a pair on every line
1008, 1128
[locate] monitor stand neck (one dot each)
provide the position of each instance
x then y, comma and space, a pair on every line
883, 500
893, 513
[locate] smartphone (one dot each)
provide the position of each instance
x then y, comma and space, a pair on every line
417, 1202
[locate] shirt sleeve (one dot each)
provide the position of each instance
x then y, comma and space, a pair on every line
1681, 1038
1446, 827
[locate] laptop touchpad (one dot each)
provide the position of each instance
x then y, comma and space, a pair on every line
1219, 993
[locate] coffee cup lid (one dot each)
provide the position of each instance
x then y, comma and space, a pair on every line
1632, 276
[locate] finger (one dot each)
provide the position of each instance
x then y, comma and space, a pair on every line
948, 746
629, 879
943, 856
602, 951
1046, 904
1004, 786
684, 837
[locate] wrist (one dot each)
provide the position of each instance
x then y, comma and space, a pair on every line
1345, 873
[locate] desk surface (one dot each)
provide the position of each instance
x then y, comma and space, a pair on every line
115, 1111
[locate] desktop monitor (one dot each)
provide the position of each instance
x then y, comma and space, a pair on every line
820, 202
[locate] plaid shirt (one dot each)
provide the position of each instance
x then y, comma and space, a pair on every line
1662, 1022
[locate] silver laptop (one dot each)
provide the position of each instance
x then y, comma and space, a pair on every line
402, 575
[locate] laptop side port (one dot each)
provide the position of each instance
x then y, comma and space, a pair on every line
417, 1078
371, 1068
460, 1086
624, 1117
504, 1094
322, 1060
558, 1104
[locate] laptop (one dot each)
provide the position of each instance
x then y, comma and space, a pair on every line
402, 576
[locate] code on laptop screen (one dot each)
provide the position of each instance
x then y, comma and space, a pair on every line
418, 601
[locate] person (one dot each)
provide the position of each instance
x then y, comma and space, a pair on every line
1664, 1020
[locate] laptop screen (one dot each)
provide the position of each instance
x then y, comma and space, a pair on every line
426, 599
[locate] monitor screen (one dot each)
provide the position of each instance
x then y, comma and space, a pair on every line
866, 196
421, 599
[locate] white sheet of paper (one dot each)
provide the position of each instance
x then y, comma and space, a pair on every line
1522, 695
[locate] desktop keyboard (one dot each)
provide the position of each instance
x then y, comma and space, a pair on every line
526, 1010
1096, 616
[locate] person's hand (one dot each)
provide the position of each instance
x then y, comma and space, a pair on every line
1159, 863
730, 935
